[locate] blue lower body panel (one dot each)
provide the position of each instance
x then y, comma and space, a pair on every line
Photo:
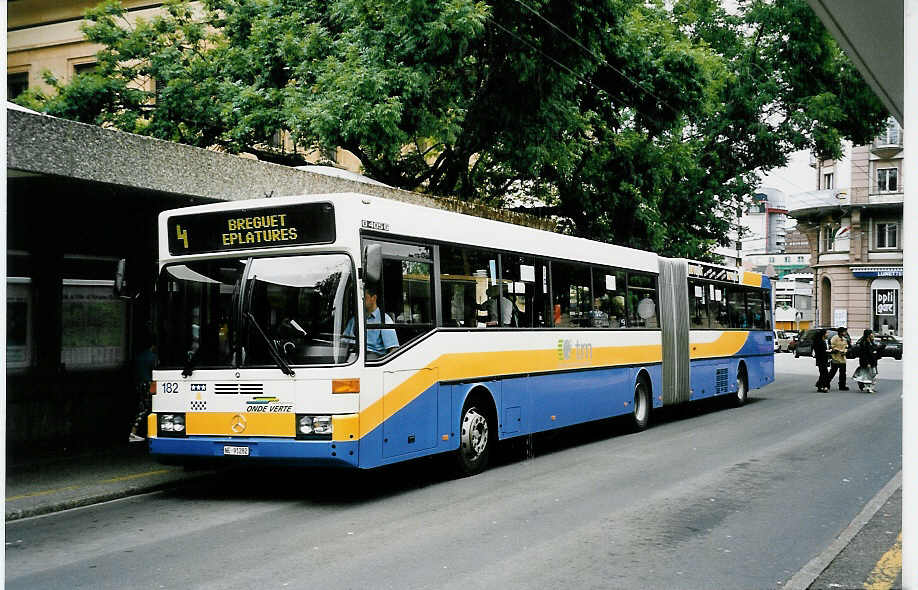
281, 450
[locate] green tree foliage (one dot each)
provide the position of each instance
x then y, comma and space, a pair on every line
641, 123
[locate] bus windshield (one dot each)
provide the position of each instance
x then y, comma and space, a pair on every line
256, 312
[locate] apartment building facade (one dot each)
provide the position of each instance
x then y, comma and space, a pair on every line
855, 240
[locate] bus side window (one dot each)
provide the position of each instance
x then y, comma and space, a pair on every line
519, 286
642, 300
698, 305
404, 297
766, 299
466, 276
609, 302
717, 306
736, 308
755, 316
571, 290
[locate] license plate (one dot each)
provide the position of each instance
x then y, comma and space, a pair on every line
240, 451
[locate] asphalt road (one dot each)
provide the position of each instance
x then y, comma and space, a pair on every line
707, 498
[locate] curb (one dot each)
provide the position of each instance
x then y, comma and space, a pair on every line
812, 570
42, 509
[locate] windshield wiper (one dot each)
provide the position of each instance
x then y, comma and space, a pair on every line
281, 363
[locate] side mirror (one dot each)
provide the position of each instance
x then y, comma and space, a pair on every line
372, 264
119, 277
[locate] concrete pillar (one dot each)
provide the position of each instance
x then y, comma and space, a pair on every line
909, 317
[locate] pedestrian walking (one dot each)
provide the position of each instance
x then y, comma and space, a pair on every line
143, 375
868, 355
839, 350
821, 352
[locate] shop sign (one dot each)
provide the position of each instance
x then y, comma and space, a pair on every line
885, 302
875, 271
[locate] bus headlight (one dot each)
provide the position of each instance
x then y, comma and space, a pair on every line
322, 425
313, 427
304, 425
171, 424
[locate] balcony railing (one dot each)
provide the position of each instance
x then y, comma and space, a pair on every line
887, 145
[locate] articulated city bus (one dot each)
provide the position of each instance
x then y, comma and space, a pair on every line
352, 330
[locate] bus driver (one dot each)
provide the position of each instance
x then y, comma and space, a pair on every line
379, 342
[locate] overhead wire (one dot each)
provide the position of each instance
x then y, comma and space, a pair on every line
602, 59
622, 74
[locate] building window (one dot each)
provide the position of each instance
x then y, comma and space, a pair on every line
827, 180
887, 180
84, 68
800, 259
887, 235
828, 237
16, 84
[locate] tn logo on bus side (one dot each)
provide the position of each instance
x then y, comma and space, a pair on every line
568, 350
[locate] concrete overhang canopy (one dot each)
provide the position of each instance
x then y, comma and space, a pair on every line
872, 35
821, 202
39, 145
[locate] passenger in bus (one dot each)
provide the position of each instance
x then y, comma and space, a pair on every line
490, 305
598, 318
379, 341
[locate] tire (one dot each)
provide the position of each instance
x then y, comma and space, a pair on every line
742, 389
860, 386
898, 357
475, 439
641, 406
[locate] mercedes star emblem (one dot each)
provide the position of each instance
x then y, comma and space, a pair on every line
238, 423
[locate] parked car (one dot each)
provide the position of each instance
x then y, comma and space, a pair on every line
804, 345
893, 346
785, 341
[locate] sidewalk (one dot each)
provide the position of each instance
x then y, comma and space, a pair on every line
51, 483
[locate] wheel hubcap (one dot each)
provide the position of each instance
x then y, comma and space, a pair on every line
741, 390
640, 405
474, 434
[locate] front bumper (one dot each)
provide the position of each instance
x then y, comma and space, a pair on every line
285, 450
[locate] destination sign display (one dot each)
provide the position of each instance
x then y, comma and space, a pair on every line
703, 271
245, 229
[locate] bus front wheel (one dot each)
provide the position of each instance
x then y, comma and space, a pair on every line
474, 440
640, 410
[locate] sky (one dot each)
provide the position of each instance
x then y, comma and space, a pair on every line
798, 176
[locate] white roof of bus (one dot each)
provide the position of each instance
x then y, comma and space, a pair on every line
417, 221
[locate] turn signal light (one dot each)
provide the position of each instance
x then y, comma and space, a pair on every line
152, 386
346, 386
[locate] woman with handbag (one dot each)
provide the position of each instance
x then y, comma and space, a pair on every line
868, 355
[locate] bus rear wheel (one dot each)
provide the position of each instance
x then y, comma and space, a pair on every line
475, 440
640, 409
742, 388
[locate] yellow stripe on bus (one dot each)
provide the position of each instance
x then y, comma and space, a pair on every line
727, 344
250, 424
473, 365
